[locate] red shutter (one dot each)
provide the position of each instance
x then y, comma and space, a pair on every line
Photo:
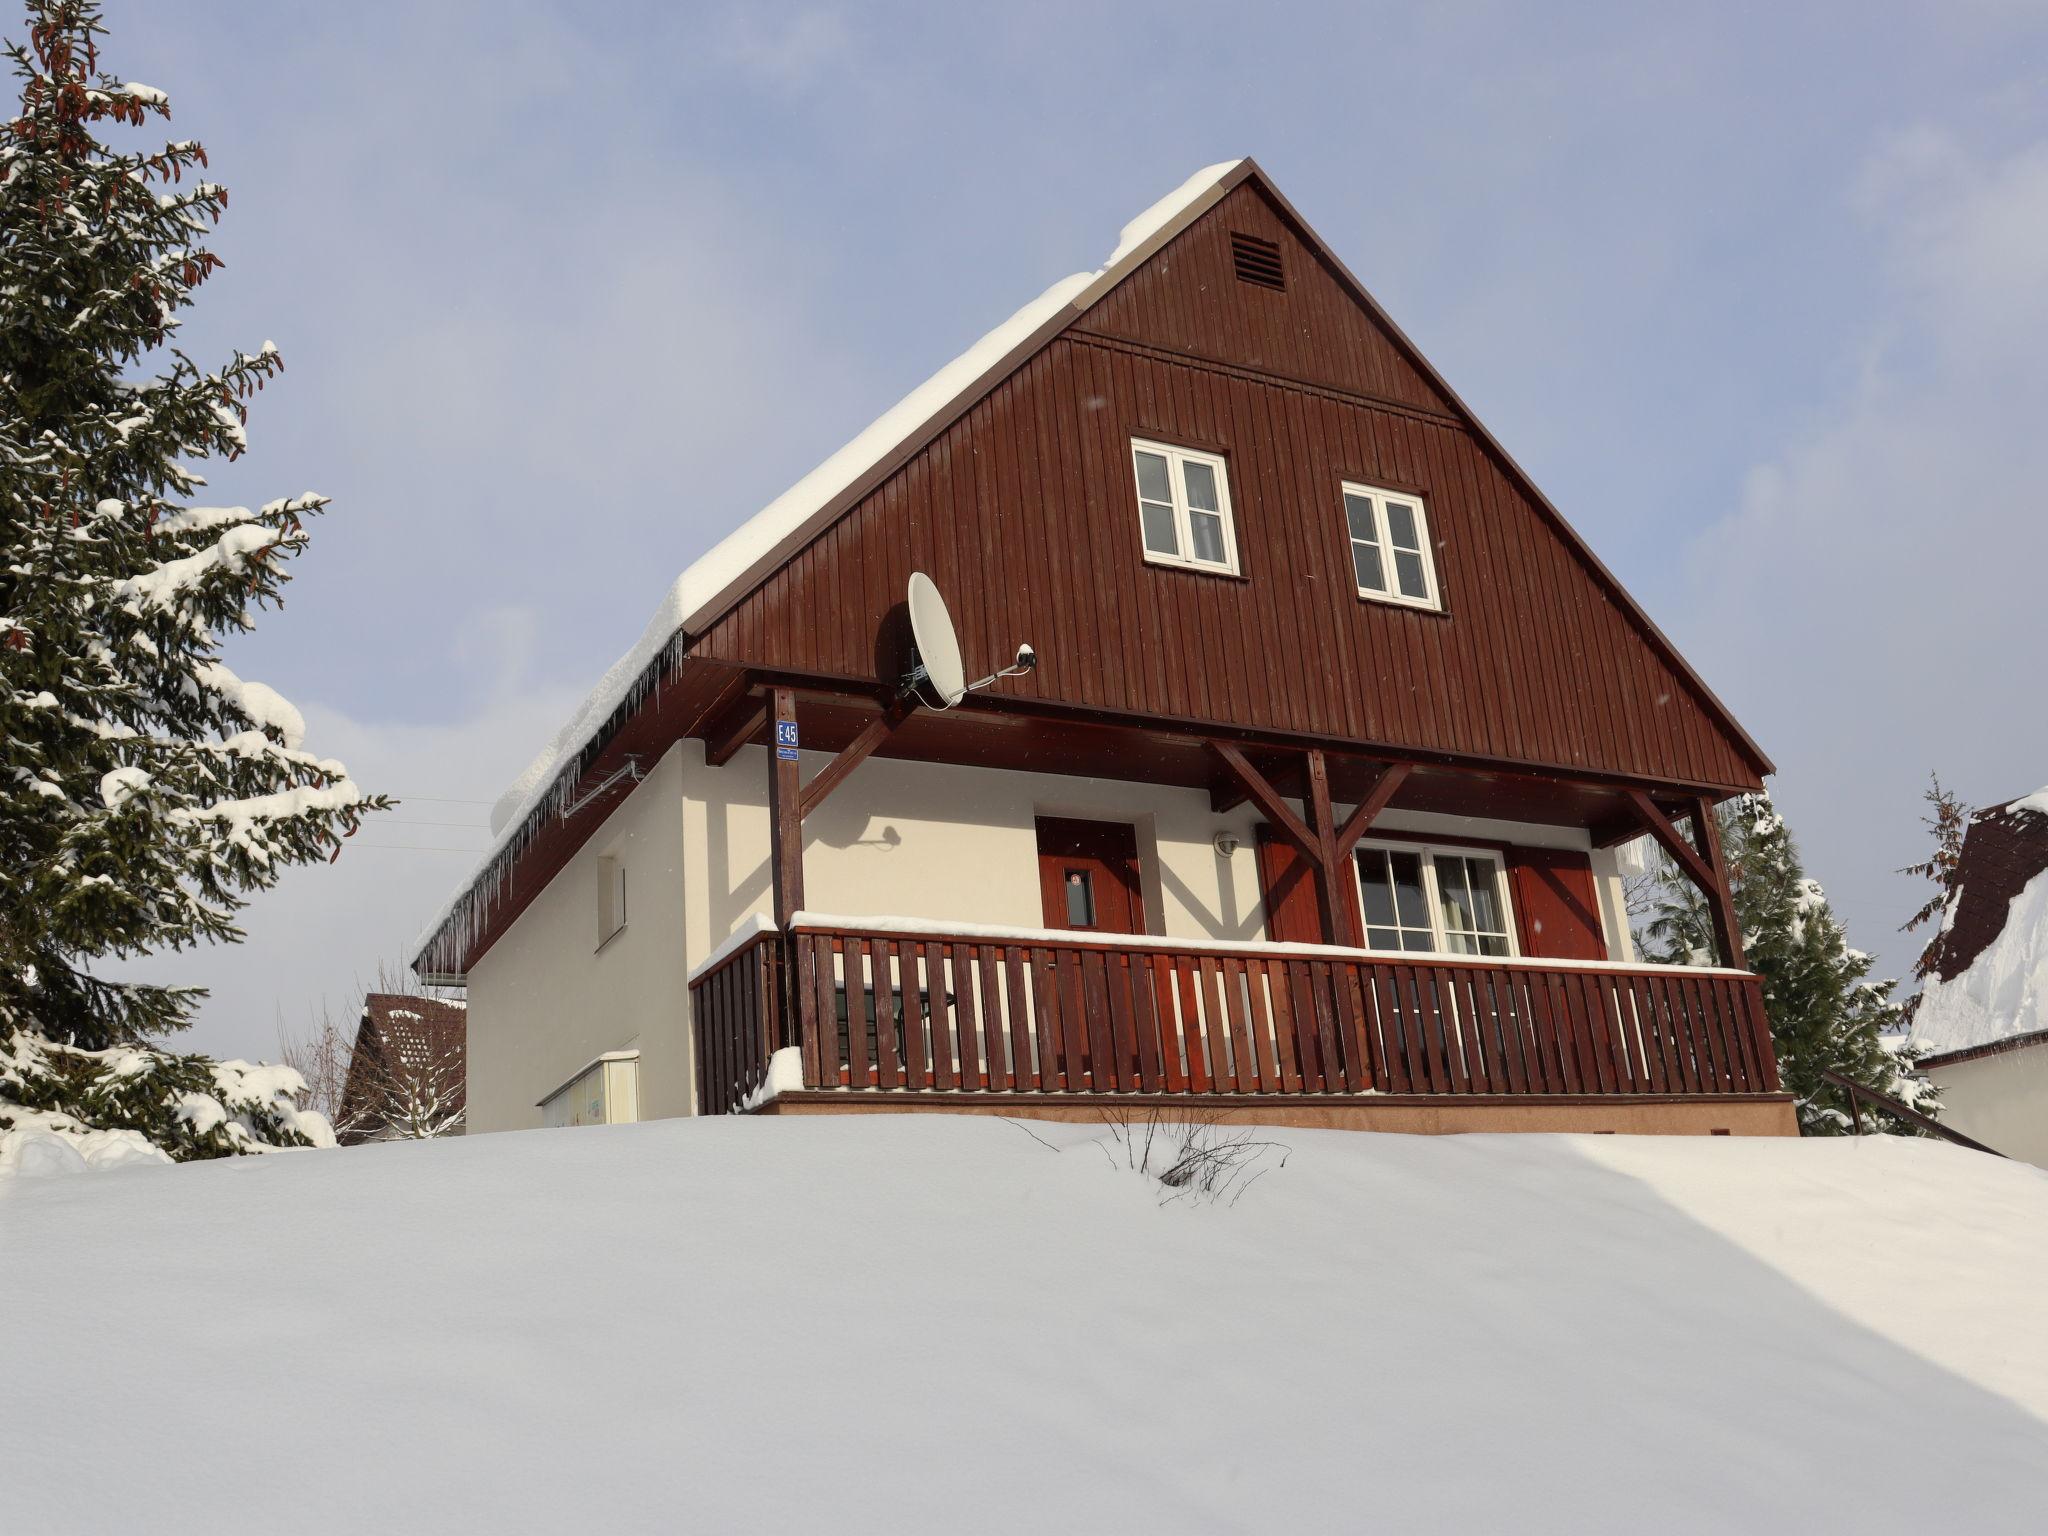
1287, 882
1557, 904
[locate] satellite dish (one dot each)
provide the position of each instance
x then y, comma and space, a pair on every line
938, 648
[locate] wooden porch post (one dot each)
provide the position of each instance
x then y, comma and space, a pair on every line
785, 815
1703, 864
1706, 832
1340, 916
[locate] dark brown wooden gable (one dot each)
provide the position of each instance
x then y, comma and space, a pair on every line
1022, 509
1189, 299
1023, 512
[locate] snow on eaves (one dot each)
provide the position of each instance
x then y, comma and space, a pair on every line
549, 780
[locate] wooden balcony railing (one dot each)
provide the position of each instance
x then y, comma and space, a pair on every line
888, 1007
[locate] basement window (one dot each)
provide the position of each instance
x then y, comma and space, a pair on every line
1184, 507
1391, 558
606, 1092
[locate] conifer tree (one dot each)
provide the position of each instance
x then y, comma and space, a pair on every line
144, 787
1949, 820
1825, 1012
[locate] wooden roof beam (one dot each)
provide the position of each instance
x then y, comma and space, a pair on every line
1267, 798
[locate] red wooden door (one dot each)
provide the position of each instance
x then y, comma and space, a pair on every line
1557, 904
1088, 875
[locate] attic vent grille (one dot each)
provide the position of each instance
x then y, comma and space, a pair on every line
1257, 261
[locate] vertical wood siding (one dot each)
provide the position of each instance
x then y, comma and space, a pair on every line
1188, 299
1024, 514
1023, 511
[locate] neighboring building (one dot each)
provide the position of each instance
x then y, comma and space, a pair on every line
408, 1073
1309, 808
1983, 1015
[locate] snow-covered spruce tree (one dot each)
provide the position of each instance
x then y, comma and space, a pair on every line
144, 787
1825, 1012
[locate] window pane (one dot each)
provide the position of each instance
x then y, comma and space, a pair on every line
1358, 513
1451, 892
1407, 870
1161, 538
1201, 483
1365, 562
1206, 529
1153, 484
1485, 896
1379, 895
1383, 938
1401, 526
1080, 899
1409, 568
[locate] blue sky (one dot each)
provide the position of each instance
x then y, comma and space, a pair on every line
1754, 292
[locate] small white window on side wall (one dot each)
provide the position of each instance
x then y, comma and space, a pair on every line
607, 1092
1392, 558
611, 897
1184, 514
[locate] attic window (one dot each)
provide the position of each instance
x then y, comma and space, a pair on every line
1257, 261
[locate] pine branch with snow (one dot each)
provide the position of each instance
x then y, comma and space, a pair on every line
145, 789
61, 1104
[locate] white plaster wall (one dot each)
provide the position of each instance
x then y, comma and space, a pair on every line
2000, 1100
948, 842
546, 999
944, 842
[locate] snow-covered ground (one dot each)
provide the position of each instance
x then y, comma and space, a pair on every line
934, 1324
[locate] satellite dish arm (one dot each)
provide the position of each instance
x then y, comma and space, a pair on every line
1027, 661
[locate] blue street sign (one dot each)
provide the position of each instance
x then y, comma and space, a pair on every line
787, 754
785, 733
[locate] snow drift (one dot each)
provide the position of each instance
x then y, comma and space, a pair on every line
937, 1324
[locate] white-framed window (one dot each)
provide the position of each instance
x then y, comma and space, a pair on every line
1184, 507
1391, 557
606, 1092
611, 898
1435, 900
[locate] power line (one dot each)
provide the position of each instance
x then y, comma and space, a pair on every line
414, 848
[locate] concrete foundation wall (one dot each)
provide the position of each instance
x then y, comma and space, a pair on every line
1693, 1117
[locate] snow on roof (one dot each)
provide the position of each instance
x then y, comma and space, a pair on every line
1991, 969
547, 781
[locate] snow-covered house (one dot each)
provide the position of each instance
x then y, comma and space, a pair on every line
1983, 1014
1309, 808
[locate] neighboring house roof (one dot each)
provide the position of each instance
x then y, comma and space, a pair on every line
743, 559
1989, 985
399, 1034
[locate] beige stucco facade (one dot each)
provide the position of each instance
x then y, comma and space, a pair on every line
903, 839
2000, 1100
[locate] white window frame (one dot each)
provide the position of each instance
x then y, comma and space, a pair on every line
1176, 460
1433, 898
1378, 497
